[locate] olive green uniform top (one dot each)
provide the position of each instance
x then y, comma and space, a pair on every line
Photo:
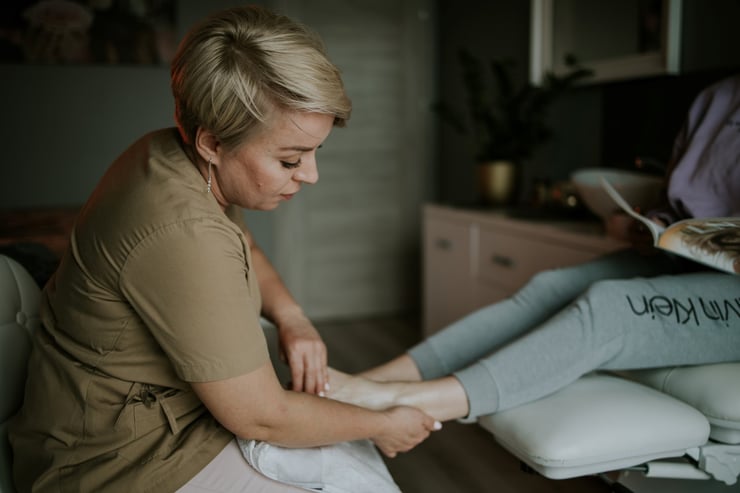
155, 291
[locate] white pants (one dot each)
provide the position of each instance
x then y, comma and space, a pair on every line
345, 467
229, 472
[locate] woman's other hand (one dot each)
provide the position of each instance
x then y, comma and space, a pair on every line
407, 427
302, 348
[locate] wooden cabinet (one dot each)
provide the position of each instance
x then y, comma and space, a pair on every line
473, 258
448, 292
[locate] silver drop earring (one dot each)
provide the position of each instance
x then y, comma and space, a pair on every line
208, 187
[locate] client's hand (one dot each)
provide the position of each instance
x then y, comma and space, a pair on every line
407, 427
624, 227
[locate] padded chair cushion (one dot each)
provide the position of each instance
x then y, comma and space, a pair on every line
712, 389
599, 423
19, 305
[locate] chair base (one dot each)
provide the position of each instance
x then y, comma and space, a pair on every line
638, 482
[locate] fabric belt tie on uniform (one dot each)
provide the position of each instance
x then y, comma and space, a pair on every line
159, 406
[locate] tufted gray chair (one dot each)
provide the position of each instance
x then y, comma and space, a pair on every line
19, 305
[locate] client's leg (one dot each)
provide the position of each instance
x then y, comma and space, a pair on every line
625, 324
489, 328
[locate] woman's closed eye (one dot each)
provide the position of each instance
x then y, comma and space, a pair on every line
291, 165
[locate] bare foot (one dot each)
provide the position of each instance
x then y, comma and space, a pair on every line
400, 369
443, 399
360, 391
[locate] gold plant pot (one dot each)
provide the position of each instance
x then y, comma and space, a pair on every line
498, 182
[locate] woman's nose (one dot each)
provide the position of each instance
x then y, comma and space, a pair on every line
308, 172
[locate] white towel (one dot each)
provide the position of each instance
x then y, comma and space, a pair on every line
347, 467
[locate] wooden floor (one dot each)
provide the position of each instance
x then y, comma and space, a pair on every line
457, 459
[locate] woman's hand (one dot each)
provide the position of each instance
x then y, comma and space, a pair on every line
302, 348
407, 427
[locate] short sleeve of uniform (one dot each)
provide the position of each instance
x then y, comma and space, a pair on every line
190, 283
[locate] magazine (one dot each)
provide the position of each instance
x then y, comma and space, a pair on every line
713, 241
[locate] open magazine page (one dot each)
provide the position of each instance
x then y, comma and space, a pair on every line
714, 241
711, 241
655, 229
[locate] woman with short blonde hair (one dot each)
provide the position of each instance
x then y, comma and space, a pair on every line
151, 346
231, 71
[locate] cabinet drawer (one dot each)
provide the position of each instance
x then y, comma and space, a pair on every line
447, 273
510, 259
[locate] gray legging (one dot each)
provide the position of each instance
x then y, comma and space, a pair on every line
612, 313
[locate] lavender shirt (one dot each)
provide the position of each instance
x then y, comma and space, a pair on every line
705, 181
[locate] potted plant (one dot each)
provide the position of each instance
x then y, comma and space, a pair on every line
507, 122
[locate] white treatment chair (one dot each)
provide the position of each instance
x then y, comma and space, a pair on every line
681, 423
19, 304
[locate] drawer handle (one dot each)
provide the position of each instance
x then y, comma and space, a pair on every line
502, 261
443, 244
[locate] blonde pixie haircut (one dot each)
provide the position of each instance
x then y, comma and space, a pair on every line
236, 67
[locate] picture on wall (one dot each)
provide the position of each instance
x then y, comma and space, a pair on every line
131, 32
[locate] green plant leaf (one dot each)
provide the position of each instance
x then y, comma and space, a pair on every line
506, 121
